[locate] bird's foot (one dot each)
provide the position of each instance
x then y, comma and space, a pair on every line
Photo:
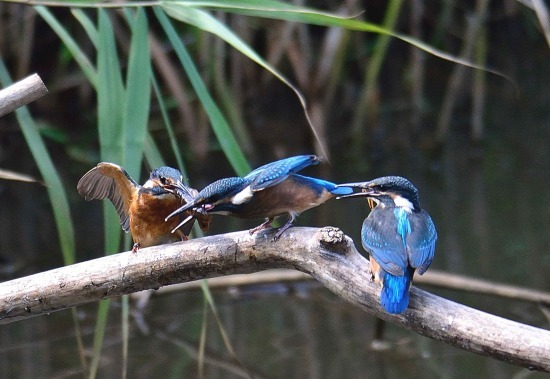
281, 230
265, 225
135, 248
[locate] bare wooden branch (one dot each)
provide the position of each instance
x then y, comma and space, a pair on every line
470, 284
433, 278
326, 254
23, 92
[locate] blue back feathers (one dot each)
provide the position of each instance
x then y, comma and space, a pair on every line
222, 188
276, 172
401, 242
403, 224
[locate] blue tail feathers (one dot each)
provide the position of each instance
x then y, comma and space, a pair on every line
395, 293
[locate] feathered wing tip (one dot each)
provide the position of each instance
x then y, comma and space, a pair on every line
276, 172
395, 293
111, 181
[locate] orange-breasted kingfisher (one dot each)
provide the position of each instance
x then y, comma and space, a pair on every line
268, 191
399, 236
142, 209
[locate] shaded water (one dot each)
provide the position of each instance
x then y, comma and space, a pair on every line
489, 204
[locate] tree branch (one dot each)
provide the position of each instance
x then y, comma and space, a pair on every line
326, 254
21, 93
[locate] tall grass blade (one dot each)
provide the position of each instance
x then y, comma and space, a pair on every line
169, 129
110, 93
152, 153
99, 334
220, 126
79, 341
87, 24
205, 21
138, 95
85, 64
284, 11
125, 333
110, 105
54, 186
226, 340
56, 191
371, 76
202, 340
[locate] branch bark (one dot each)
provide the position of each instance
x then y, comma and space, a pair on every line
21, 93
326, 254
432, 278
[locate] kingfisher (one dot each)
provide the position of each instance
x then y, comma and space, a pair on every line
269, 191
142, 209
399, 236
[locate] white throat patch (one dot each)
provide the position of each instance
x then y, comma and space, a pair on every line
243, 196
401, 202
149, 184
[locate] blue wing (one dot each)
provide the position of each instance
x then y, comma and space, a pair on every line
274, 173
421, 241
384, 244
221, 188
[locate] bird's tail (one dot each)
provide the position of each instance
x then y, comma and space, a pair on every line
395, 292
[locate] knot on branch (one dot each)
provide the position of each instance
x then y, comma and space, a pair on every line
331, 236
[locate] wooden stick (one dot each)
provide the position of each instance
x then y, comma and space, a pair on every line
434, 278
21, 93
468, 284
326, 254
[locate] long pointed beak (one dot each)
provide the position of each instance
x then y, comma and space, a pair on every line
364, 186
181, 209
355, 185
190, 218
355, 194
181, 190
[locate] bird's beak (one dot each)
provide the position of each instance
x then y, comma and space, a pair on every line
204, 221
189, 218
182, 191
181, 209
365, 189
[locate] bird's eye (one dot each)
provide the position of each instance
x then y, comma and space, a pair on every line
163, 180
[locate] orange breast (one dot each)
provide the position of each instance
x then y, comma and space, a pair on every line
147, 223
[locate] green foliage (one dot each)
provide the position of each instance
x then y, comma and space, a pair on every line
219, 124
55, 188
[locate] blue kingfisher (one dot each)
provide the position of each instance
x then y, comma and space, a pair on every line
268, 191
399, 236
